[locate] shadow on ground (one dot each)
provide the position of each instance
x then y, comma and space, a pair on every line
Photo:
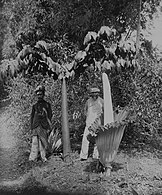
97, 167
30, 186
37, 190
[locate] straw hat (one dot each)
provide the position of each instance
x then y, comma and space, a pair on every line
94, 90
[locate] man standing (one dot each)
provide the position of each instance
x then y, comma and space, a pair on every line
93, 110
40, 125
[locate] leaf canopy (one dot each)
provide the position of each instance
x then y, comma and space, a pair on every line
100, 52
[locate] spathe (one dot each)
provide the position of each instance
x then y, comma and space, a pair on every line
110, 135
108, 108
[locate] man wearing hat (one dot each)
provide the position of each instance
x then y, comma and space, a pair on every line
40, 125
93, 110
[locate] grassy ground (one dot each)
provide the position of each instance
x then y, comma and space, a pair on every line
136, 173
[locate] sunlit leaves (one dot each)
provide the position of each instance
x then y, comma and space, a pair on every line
41, 45
105, 52
111, 49
54, 66
69, 66
39, 58
106, 33
80, 56
60, 59
105, 29
107, 65
90, 37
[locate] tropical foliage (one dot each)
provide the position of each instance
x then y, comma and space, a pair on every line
78, 40
103, 50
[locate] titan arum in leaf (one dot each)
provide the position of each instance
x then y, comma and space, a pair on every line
99, 53
33, 59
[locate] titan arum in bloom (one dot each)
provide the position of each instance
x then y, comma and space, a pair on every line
103, 51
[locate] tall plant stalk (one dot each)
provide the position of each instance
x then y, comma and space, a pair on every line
65, 126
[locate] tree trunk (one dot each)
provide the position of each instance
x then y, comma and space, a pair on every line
65, 126
138, 31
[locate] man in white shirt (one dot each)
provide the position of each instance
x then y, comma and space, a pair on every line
93, 110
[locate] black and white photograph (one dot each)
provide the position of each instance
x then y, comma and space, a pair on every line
80, 97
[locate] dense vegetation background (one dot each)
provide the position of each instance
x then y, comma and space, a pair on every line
63, 24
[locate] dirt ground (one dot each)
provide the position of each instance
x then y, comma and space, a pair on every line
143, 174
138, 173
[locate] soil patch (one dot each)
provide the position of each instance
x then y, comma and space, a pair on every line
144, 175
